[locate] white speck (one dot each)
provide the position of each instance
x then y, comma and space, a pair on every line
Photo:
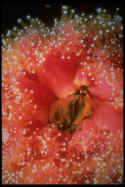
14, 62
81, 41
92, 45
34, 169
8, 33
46, 166
104, 11
109, 23
100, 22
92, 78
100, 64
19, 20
87, 168
43, 59
83, 73
18, 97
100, 32
82, 63
89, 74
28, 17
121, 28
116, 99
107, 30
31, 91
20, 117
24, 132
65, 12
111, 69
25, 90
6, 181
95, 181
113, 75
64, 179
5, 135
83, 14
57, 154
95, 37
10, 116
32, 44
67, 165
88, 67
67, 48
100, 82
19, 67
3, 41
76, 16
60, 169
85, 19
13, 79
90, 16
117, 18
113, 89
83, 30
86, 156
44, 142
41, 55
117, 9
28, 151
64, 7
21, 173
77, 54
98, 10
24, 72
10, 106
68, 57
72, 11
40, 62
50, 179
88, 57
94, 158
33, 72
87, 181
59, 134
121, 92
62, 57
35, 106
120, 35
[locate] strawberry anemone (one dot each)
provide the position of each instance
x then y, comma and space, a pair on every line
39, 68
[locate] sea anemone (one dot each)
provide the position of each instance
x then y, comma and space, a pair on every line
44, 65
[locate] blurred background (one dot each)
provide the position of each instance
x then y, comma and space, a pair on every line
47, 10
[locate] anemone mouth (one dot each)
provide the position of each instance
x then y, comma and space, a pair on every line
69, 112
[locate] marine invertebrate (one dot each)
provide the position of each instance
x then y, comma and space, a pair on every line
41, 64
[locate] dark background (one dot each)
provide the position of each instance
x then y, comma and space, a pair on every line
47, 10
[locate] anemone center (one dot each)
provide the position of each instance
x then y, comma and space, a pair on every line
68, 113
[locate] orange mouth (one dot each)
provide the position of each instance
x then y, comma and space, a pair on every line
87, 110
